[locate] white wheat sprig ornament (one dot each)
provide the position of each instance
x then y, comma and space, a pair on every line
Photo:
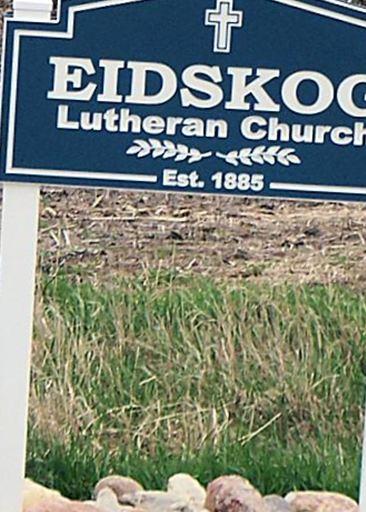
261, 155
166, 149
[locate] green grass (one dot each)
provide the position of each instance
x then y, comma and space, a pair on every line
161, 374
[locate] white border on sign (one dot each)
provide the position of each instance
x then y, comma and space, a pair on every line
346, 6
320, 189
140, 178
57, 173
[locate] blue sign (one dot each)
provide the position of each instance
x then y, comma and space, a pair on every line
244, 97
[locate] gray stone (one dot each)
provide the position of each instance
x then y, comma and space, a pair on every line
120, 485
57, 504
188, 489
234, 494
312, 501
34, 493
277, 504
156, 501
107, 501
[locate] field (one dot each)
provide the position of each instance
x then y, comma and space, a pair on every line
201, 335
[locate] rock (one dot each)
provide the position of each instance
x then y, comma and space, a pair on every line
62, 505
107, 502
224, 485
312, 501
242, 502
158, 501
234, 494
120, 485
329, 507
277, 504
187, 488
34, 493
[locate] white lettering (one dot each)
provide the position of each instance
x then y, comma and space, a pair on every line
241, 90
154, 125
63, 121
247, 128
342, 136
110, 83
290, 90
140, 71
345, 95
192, 81
63, 77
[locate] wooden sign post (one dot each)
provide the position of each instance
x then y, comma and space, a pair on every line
222, 102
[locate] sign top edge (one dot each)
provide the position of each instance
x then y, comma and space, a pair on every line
65, 7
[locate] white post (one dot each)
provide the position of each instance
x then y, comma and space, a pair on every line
17, 275
363, 474
32, 10
18, 250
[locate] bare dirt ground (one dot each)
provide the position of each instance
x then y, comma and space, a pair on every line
109, 232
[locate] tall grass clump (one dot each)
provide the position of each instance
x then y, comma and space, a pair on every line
164, 373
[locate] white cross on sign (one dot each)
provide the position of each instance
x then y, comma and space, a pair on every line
224, 19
